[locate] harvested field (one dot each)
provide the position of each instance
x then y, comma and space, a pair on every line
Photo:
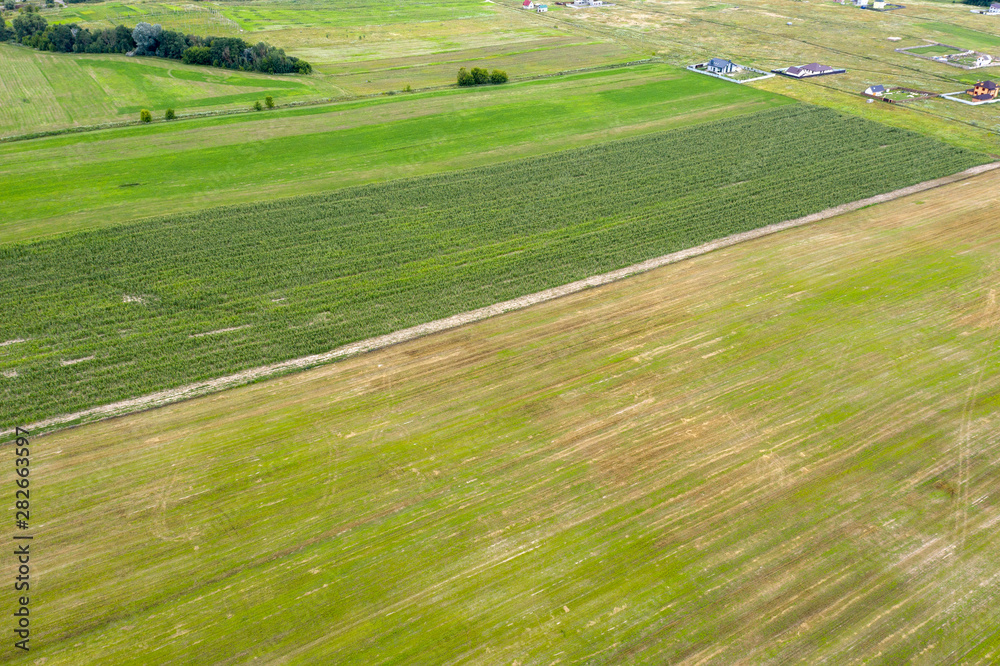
784, 451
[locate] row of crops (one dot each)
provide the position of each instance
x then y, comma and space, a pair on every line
124, 311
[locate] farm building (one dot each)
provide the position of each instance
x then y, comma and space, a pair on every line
878, 4
541, 8
875, 91
983, 91
860, 3
721, 66
812, 69
588, 3
528, 4
994, 9
982, 60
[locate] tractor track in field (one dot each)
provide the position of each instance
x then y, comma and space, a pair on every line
197, 389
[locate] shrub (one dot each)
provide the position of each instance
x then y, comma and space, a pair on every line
257, 106
269, 102
498, 76
408, 88
145, 116
169, 114
480, 76
465, 79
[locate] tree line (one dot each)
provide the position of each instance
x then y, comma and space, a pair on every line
479, 76
31, 29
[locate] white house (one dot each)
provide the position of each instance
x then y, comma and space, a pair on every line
860, 3
528, 4
878, 4
541, 8
875, 91
994, 9
982, 60
721, 66
812, 69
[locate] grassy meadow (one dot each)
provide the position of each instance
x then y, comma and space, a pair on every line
780, 452
187, 165
136, 308
44, 91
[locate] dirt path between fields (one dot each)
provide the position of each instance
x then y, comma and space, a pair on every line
196, 389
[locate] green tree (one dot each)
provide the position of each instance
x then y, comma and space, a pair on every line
145, 116
28, 24
480, 76
9, 5
498, 76
257, 106
269, 102
465, 79
169, 114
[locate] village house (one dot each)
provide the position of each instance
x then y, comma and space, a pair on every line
812, 69
528, 4
721, 66
875, 91
541, 8
983, 91
982, 60
994, 9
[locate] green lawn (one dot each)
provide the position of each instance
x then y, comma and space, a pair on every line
195, 164
934, 49
783, 452
131, 309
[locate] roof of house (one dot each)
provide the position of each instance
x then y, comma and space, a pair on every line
989, 85
527, 3
877, 88
719, 62
816, 67
995, 5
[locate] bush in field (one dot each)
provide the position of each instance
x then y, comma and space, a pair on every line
257, 106
145, 116
269, 102
169, 114
480, 76
464, 78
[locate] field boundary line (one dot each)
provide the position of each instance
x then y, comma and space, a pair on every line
205, 387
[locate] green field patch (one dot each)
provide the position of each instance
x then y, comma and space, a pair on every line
934, 49
146, 299
251, 157
973, 39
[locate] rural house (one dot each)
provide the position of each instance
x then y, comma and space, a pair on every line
721, 66
983, 91
812, 69
994, 9
528, 4
878, 4
875, 91
541, 8
982, 60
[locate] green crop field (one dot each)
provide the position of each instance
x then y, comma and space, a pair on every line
969, 38
126, 310
43, 91
782, 452
934, 49
169, 167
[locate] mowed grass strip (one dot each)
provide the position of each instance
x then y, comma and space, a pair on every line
163, 302
68, 183
780, 452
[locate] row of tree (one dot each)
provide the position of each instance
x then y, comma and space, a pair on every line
479, 76
31, 29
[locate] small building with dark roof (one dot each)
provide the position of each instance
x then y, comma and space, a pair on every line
983, 91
